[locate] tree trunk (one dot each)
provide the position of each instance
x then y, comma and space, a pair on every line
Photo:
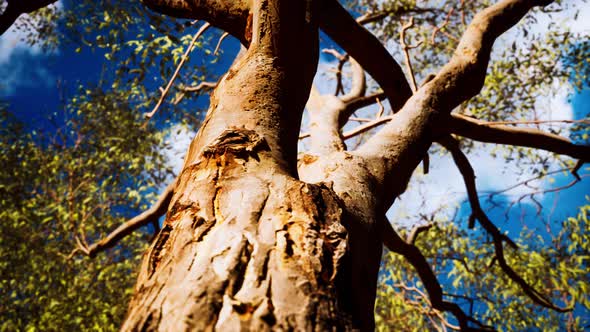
246, 245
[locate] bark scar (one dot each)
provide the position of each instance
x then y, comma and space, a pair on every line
239, 142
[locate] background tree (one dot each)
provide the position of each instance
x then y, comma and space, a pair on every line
246, 243
66, 185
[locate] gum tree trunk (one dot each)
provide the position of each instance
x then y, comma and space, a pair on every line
246, 245
255, 241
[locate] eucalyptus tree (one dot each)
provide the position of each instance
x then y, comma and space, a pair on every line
259, 235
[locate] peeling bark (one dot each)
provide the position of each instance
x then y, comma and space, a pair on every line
244, 249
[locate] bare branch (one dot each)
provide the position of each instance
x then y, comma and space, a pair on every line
197, 88
177, 71
359, 83
341, 61
463, 76
221, 39
477, 213
324, 129
498, 123
406, 49
529, 137
367, 126
378, 16
150, 215
440, 28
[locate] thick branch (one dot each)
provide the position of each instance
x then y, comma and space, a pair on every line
533, 138
230, 16
400, 146
463, 76
151, 215
365, 48
477, 213
359, 83
396, 244
324, 130
16, 8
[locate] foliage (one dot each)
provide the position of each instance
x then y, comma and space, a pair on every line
462, 259
81, 180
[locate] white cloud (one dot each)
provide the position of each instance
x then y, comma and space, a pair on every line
16, 69
12, 41
11, 44
19, 73
178, 140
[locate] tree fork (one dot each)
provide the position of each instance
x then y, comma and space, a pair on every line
245, 244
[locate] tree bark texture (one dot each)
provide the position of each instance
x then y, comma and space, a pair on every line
254, 240
246, 245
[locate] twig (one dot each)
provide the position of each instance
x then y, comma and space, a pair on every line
223, 36
177, 71
199, 87
342, 58
440, 28
406, 48
518, 136
498, 123
381, 108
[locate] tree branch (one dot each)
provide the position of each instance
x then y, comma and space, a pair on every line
151, 215
477, 213
529, 137
324, 129
463, 76
397, 149
229, 16
197, 88
189, 49
396, 244
365, 48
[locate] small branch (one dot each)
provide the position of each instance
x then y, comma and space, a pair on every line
440, 28
359, 83
417, 231
221, 39
498, 123
527, 181
367, 49
378, 16
177, 71
149, 216
405, 49
366, 127
477, 213
342, 59
381, 108
197, 88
